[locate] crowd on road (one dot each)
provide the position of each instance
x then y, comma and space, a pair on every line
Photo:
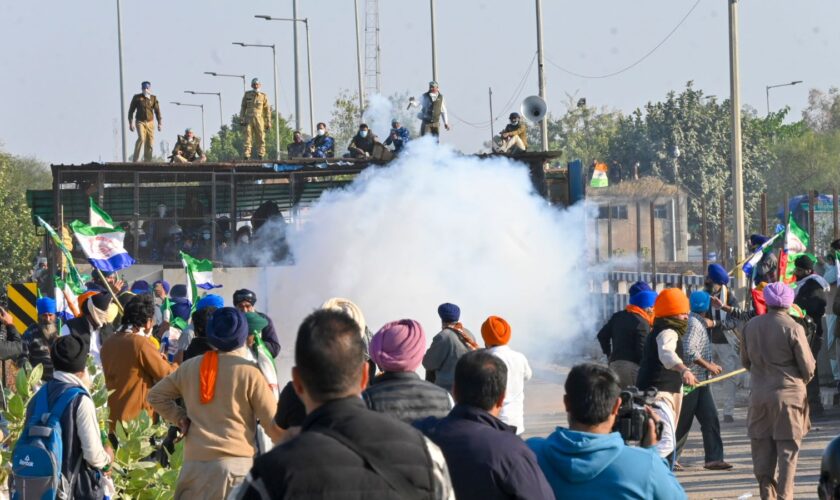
357, 421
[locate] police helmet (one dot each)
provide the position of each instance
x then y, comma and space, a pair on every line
829, 487
244, 295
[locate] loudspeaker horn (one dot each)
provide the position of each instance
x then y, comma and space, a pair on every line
534, 108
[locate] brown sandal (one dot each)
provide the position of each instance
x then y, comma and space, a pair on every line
678, 467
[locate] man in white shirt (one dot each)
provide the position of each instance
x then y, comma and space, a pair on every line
496, 334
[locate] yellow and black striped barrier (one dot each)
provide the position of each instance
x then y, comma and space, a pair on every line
21, 304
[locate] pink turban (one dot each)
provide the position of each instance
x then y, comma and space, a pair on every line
778, 294
398, 346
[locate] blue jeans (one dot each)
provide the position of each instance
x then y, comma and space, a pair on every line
700, 403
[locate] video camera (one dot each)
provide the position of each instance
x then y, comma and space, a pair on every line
632, 419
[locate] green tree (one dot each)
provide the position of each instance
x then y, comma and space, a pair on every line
18, 238
228, 144
823, 111
582, 132
344, 119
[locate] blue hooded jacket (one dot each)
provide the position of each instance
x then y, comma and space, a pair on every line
585, 465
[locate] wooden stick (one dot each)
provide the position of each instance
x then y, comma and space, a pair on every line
110, 290
688, 389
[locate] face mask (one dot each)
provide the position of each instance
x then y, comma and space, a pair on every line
363, 133
433, 93
144, 243
205, 236
514, 122
147, 93
245, 240
321, 131
161, 211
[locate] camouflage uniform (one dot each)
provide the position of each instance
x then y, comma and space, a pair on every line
256, 118
188, 150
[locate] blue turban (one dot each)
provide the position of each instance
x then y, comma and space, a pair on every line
227, 329
699, 301
643, 299
181, 308
210, 300
178, 292
140, 286
45, 305
163, 283
639, 286
758, 239
449, 313
718, 274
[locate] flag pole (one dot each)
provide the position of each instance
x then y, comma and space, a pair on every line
110, 290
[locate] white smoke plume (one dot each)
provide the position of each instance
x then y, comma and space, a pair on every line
378, 115
432, 227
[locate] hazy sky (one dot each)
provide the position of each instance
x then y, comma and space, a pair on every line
60, 82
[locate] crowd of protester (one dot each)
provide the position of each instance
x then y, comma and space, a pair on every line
358, 421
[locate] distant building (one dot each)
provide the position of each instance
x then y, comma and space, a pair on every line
620, 206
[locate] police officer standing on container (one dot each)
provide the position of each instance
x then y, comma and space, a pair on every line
147, 109
255, 116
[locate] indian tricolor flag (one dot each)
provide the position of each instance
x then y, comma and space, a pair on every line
599, 176
98, 217
199, 275
796, 243
103, 246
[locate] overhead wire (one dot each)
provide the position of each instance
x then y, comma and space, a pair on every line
515, 95
635, 63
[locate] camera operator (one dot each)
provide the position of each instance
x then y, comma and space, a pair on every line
590, 460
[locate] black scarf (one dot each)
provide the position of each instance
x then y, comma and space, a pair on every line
671, 323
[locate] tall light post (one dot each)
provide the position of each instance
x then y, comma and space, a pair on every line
359, 59
767, 90
541, 76
193, 106
305, 21
122, 82
217, 94
434, 40
213, 73
737, 168
276, 102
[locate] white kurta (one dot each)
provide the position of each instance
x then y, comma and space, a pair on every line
519, 372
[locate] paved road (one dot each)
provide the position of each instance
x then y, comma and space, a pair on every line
544, 411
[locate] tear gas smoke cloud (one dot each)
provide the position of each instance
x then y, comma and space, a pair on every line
434, 227
378, 115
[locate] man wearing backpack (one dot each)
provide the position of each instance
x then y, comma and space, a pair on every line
64, 406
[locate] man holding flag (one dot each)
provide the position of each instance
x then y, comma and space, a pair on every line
763, 266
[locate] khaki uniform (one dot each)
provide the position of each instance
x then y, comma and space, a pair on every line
776, 352
188, 150
146, 109
256, 118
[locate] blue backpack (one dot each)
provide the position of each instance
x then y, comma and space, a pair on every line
37, 456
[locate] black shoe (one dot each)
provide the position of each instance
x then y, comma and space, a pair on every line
728, 419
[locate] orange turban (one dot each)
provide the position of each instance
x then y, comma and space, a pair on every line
671, 302
495, 331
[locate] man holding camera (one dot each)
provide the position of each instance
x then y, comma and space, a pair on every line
590, 460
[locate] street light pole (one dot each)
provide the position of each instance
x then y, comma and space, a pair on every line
434, 41
737, 173
297, 68
213, 73
200, 106
541, 76
219, 95
276, 92
359, 59
122, 82
767, 90
305, 21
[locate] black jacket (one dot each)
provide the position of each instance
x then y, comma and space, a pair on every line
37, 350
811, 297
623, 337
11, 346
652, 373
486, 459
316, 465
405, 396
